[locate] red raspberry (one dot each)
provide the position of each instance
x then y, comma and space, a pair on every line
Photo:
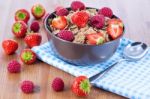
66, 35
62, 12
58, 84
35, 26
27, 86
77, 5
14, 66
107, 12
97, 21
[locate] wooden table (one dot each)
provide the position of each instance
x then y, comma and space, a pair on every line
134, 13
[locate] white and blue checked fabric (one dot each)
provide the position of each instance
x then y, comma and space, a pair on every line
129, 79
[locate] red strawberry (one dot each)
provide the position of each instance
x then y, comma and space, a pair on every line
81, 86
33, 39
27, 86
19, 29
22, 15
59, 22
9, 46
115, 21
115, 28
28, 56
114, 31
95, 39
80, 18
38, 11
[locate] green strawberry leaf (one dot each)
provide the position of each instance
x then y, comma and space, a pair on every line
100, 41
85, 86
38, 10
21, 15
27, 56
17, 27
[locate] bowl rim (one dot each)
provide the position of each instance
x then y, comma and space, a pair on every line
79, 44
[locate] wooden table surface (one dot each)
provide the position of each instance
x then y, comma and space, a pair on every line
134, 13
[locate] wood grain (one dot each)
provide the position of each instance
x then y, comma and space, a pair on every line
134, 13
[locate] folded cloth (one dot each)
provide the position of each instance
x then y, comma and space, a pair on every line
129, 79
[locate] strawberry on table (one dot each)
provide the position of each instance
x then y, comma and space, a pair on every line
19, 29
95, 39
33, 39
59, 22
10, 46
81, 86
28, 56
38, 11
115, 28
22, 15
80, 18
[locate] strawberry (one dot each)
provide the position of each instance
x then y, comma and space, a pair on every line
115, 28
9, 46
59, 22
28, 56
38, 11
22, 15
19, 29
95, 39
80, 18
33, 39
81, 86
115, 21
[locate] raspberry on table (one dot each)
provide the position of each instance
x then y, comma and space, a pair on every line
35, 26
27, 86
58, 84
14, 66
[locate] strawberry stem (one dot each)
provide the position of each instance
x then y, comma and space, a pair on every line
21, 15
100, 41
85, 86
17, 27
38, 10
27, 56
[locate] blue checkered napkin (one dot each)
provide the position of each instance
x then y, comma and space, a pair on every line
45, 53
131, 80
